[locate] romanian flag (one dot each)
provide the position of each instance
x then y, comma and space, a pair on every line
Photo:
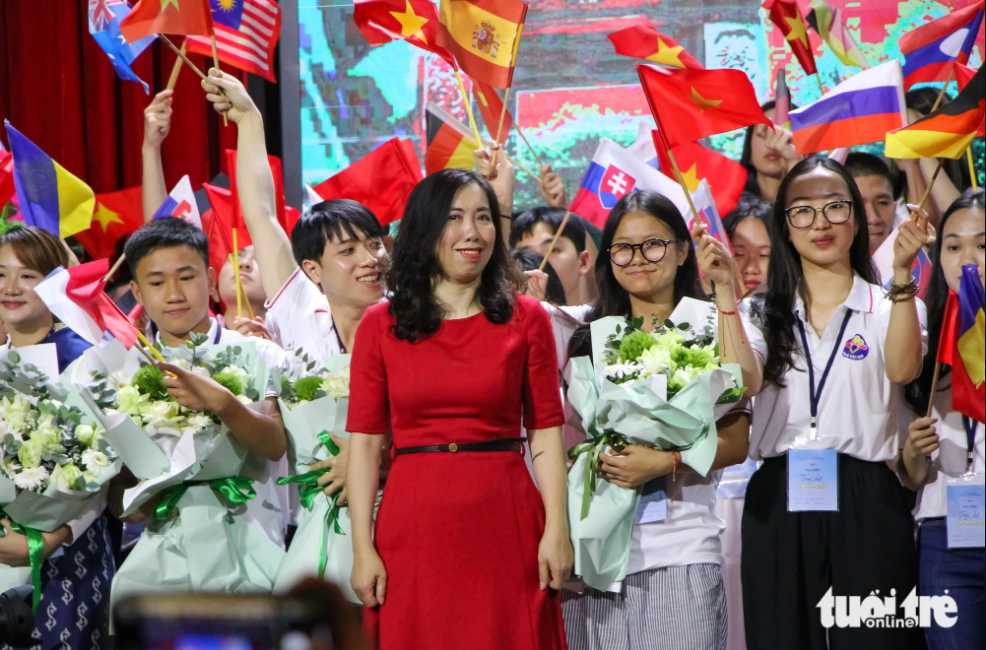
725, 176
644, 42
859, 110
50, 197
450, 142
118, 214
827, 21
415, 21
484, 35
491, 106
787, 17
948, 131
188, 17
962, 344
782, 101
932, 50
689, 104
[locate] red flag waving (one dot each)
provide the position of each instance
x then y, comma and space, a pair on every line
85, 288
787, 17
217, 224
6, 176
117, 215
382, 180
725, 176
644, 42
189, 17
691, 104
281, 210
415, 21
491, 106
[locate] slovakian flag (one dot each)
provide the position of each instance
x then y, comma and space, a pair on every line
50, 197
381, 180
724, 176
859, 110
689, 105
491, 106
645, 42
782, 101
246, 35
76, 297
181, 203
188, 17
415, 21
483, 35
962, 344
827, 22
948, 131
450, 142
614, 173
932, 50
708, 215
6, 176
117, 215
105, 17
787, 17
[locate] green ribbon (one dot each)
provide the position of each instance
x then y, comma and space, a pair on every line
237, 490
35, 554
593, 447
308, 488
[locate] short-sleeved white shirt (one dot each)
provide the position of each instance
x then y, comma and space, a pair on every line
949, 460
859, 406
298, 317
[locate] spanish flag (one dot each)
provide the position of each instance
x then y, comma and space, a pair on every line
947, 132
450, 142
962, 344
50, 197
483, 35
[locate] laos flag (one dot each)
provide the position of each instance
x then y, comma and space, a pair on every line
613, 173
932, 50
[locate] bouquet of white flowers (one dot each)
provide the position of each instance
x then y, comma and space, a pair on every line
199, 536
663, 389
314, 404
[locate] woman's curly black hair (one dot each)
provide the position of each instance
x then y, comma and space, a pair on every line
414, 261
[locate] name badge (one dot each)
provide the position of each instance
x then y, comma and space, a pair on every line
812, 480
653, 505
966, 519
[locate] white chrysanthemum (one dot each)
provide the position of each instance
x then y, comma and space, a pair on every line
6, 427
657, 360
196, 423
96, 462
16, 411
623, 370
31, 478
119, 379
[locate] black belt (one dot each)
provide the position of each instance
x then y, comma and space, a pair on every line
501, 444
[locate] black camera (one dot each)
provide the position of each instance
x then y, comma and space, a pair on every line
17, 617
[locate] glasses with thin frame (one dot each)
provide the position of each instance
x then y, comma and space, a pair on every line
803, 217
652, 250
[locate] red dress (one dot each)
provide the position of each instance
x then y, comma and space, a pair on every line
459, 532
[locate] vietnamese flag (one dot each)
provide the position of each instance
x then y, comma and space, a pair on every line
281, 207
484, 35
692, 104
725, 176
490, 105
962, 344
188, 17
117, 215
644, 42
217, 224
787, 17
415, 21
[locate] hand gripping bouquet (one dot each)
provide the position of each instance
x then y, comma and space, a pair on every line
199, 534
314, 404
663, 389
54, 460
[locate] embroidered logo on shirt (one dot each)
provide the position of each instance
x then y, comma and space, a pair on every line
856, 348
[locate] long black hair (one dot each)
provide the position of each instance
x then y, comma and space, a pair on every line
414, 260
613, 299
917, 393
774, 310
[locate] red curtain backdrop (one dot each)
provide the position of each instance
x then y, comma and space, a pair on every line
58, 88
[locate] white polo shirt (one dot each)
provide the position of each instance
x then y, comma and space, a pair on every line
950, 459
859, 406
299, 317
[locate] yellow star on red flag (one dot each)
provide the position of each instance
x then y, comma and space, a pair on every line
411, 23
798, 30
667, 55
704, 103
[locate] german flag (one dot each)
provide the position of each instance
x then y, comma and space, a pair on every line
450, 142
490, 105
483, 35
947, 132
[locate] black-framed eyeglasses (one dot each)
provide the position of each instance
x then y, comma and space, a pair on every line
803, 217
652, 250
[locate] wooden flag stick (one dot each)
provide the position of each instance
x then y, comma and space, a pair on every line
236, 270
529, 147
239, 287
972, 169
561, 227
927, 191
527, 171
941, 93
465, 101
821, 88
506, 96
147, 355
181, 55
681, 181
934, 386
215, 60
147, 344
116, 267
173, 79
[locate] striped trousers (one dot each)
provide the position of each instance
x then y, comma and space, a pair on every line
673, 608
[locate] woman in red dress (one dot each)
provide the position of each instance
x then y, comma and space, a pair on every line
468, 554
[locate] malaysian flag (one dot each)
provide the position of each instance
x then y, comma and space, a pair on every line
246, 35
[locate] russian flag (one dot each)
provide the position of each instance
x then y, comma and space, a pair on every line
858, 111
181, 203
932, 49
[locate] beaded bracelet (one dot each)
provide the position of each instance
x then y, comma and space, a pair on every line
902, 292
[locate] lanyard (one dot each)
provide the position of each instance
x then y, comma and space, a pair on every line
815, 394
970, 438
335, 330
219, 335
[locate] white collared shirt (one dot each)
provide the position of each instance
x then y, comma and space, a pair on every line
298, 317
859, 406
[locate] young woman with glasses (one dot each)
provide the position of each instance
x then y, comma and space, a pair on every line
673, 596
839, 349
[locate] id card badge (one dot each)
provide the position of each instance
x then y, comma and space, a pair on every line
966, 518
653, 505
812, 475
